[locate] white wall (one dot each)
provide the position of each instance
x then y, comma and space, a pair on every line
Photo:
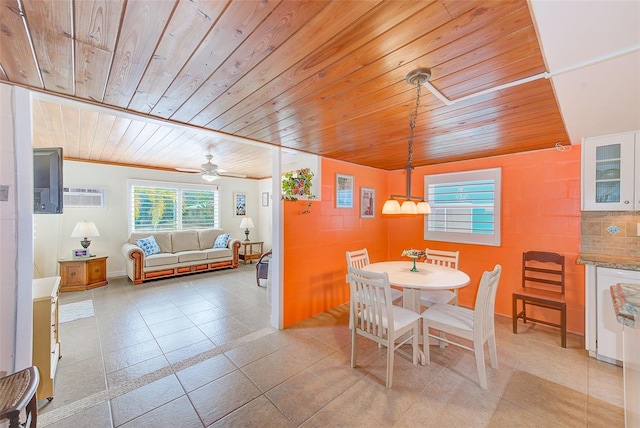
52, 232
265, 213
16, 172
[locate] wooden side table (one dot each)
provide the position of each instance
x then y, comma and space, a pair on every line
251, 250
83, 274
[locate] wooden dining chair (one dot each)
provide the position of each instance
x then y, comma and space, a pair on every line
18, 394
359, 259
476, 325
442, 258
373, 316
542, 286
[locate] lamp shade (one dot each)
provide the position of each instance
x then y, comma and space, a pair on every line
423, 208
391, 206
209, 178
408, 207
246, 223
84, 229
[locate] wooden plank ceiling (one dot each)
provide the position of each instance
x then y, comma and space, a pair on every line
325, 77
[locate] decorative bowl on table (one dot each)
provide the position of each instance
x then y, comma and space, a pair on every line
413, 254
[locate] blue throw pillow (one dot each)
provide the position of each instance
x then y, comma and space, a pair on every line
222, 241
148, 245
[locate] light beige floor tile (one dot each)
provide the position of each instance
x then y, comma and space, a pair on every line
180, 339
257, 413
144, 399
98, 416
171, 326
252, 351
181, 354
217, 399
134, 371
510, 415
125, 357
114, 341
207, 371
176, 413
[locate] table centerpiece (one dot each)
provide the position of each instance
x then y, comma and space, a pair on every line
413, 254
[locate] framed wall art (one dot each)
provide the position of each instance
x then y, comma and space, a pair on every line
239, 204
367, 202
344, 191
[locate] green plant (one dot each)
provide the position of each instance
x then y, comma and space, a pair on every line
298, 183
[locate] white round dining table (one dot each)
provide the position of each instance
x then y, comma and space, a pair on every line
428, 277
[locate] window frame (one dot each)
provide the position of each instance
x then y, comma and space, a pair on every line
492, 239
180, 188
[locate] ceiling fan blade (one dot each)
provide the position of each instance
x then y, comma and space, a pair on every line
188, 170
231, 174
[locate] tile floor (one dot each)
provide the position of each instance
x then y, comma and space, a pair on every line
198, 351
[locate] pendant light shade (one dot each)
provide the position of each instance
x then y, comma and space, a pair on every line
417, 77
408, 207
391, 206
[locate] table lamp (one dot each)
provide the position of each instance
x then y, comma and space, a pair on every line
246, 224
85, 229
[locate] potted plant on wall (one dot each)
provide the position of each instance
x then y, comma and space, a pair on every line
296, 184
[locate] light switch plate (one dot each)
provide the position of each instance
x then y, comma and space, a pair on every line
4, 194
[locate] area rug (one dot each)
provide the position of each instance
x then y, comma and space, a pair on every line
75, 311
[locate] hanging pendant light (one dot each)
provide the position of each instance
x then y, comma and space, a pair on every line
410, 204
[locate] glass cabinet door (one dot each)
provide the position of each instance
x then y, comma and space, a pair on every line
608, 173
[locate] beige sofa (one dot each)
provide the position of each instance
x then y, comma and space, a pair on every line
182, 252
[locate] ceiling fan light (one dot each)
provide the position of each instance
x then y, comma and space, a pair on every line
391, 206
209, 178
423, 208
408, 207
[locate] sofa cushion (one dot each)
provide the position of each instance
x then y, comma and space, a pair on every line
163, 239
191, 256
207, 237
148, 245
219, 253
160, 260
222, 241
184, 240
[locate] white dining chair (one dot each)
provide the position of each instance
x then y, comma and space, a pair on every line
476, 325
449, 259
373, 316
359, 259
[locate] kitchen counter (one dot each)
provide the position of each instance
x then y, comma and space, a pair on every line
626, 302
604, 260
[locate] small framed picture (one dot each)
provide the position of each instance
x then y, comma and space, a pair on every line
367, 202
239, 204
82, 253
344, 191
265, 199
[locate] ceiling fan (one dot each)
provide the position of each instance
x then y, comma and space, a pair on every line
210, 171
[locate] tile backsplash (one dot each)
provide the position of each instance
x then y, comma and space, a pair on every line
610, 232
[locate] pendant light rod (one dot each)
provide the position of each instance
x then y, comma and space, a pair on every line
417, 77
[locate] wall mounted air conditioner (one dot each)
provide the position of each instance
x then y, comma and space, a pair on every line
84, 197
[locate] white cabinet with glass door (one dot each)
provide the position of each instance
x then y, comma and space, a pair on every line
610, 174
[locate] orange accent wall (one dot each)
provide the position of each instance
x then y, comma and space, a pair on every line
540, 211
314, 273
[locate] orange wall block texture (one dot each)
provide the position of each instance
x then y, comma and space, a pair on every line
315, 244
540, 211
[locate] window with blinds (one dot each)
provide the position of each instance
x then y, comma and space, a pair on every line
171, 206
465, 207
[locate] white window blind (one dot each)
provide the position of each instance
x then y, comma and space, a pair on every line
171, 206
465, 207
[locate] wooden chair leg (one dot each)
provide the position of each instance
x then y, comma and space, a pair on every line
563, 325
482, 374
390, 352
515, 315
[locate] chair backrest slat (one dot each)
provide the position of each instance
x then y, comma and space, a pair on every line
371, 309
358, 258
543, 270
442, 258
483, 313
